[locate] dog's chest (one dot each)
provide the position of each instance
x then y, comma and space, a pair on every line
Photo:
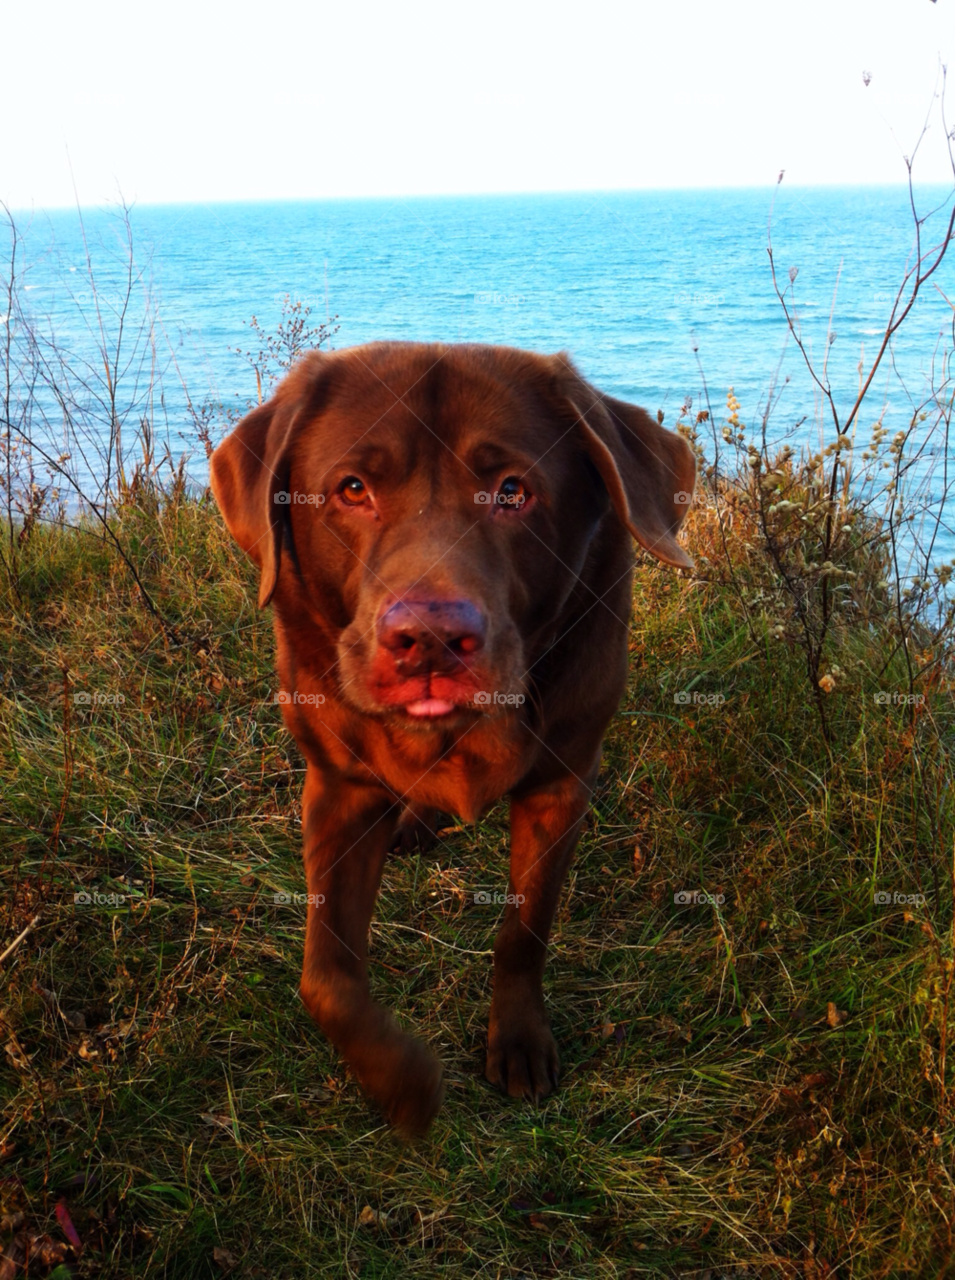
464, 779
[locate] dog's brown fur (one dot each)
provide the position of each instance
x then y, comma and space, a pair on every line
531, 602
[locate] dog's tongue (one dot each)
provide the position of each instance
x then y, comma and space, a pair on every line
426, 707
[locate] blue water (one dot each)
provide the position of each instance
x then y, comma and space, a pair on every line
644, 289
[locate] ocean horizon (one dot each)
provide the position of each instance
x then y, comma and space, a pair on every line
660, 297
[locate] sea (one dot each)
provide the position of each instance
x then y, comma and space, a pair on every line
663, 298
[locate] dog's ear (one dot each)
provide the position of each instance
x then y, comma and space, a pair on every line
648, 471
249, 472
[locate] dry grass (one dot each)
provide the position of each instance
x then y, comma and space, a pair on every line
758, 1087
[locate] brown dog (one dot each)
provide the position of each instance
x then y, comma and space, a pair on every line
444, 534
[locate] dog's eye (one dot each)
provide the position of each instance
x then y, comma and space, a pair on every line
512, 492
353, 491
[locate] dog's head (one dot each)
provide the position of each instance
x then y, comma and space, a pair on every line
433, 506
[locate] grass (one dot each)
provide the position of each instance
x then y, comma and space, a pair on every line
754, 1086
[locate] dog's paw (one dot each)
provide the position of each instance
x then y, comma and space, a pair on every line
418, 1099
522, 1057
407, 1083
415, 831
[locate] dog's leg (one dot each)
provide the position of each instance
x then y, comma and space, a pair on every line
545, 823
348, 831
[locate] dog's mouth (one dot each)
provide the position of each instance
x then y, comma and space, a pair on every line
431, 708
428, 698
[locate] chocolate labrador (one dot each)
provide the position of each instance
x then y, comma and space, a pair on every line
444, 533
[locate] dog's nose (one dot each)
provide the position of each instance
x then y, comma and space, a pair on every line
433, 635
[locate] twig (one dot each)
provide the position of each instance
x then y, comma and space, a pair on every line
19, 938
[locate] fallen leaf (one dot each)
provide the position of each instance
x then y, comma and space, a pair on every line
45, 1250
16, 1055
835, 1016
222, 1122
10, 1263
66, 1226
816, 1079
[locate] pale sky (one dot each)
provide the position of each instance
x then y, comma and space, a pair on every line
206, 102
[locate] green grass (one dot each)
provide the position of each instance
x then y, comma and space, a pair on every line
754, 1088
